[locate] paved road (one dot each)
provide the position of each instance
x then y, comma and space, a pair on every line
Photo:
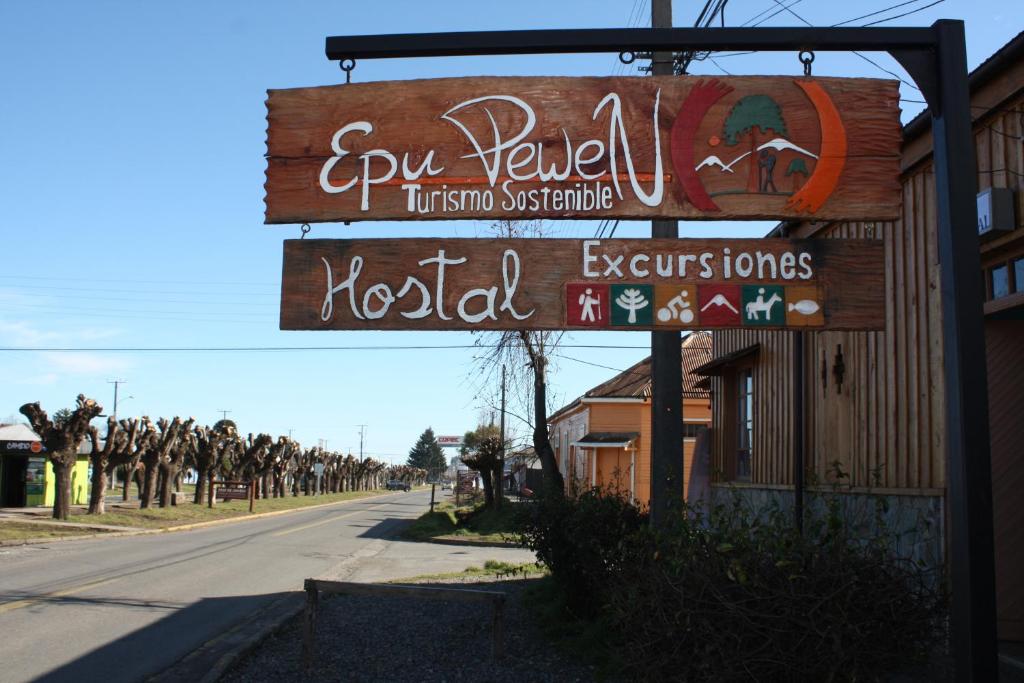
121, 609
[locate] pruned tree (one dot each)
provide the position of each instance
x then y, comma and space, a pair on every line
486, 459
158, 449
127, 453
115, 439
283, 465
62, 442
184, 445
481, 451
214, 445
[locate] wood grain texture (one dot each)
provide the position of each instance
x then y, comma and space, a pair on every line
501, 284
847, 127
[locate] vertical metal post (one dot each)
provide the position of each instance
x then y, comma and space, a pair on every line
798, 430
309, 624
969, 474
501, 466
666, 358
498, 628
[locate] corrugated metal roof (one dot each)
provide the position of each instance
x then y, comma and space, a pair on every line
635, 381
17, 432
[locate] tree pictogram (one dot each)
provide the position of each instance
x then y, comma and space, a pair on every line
632, 300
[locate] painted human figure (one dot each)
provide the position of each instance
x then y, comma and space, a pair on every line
767, 163
589, 304
678, 307
759, 305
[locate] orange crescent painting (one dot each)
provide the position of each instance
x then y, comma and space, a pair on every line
832, 158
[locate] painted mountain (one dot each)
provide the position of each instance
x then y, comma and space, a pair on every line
752, 150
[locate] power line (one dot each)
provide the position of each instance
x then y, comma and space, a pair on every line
160, 282
881, 11
891, 73
214, 349
905, 14
765, 11
170, 318
90, 297
862, 56
122, 291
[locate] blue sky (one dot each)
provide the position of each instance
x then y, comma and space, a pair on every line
133, 136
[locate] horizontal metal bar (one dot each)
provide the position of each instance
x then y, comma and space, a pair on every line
415, 591
564, 41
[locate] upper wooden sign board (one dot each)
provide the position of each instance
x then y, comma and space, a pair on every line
659, 147
555, 284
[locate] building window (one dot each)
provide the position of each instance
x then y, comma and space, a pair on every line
1000, 281
744, 422
690, 429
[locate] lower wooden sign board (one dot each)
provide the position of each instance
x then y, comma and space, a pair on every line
552, 284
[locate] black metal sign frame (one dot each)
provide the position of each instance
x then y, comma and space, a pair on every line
936, 58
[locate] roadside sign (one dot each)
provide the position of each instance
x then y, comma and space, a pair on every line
449, 441
629, 284
745, 147
233, 490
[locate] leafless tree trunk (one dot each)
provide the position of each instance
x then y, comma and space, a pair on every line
553, 482
100, 460
62, 442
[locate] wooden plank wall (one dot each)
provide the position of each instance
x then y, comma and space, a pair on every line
888, 417
1005, 346
883, 425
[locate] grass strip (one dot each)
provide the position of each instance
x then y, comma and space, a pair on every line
20, 531
474, 523
190, 513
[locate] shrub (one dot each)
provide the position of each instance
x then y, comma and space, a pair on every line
737, 593
580, 540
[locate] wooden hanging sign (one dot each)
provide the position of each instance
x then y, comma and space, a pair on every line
549, 284
746, 147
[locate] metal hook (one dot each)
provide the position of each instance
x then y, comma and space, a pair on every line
806, 61
347, 65
305, 230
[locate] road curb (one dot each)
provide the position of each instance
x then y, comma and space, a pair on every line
476, 544
212, 659
183, 527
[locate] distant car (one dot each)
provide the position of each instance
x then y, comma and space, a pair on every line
446, 486
396, 485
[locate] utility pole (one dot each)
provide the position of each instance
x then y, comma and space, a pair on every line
223, 413
666, 357
362, 432
116, 383
501, 456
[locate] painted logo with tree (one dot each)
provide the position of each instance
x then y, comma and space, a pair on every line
730, 149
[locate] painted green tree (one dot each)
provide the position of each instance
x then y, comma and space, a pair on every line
753, 114
797, 168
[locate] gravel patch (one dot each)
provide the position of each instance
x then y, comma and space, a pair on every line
369, 639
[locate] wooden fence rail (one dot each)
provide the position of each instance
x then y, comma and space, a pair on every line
314, 587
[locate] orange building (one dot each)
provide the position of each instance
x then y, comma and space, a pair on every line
603, 438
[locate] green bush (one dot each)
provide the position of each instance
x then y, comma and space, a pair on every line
581, 541
737, 594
